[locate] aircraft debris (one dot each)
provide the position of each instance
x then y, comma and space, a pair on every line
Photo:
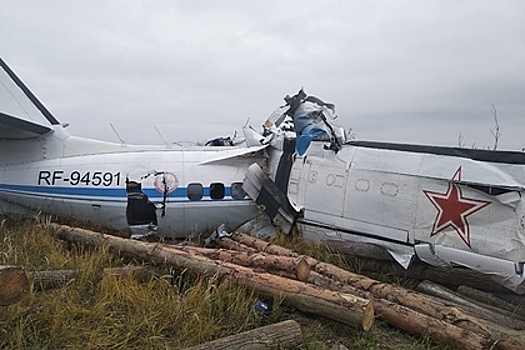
445, 206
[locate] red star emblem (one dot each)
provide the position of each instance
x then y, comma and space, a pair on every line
453, 209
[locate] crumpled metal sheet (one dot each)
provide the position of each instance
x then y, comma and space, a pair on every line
505, 272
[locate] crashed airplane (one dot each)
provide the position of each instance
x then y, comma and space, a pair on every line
444, 206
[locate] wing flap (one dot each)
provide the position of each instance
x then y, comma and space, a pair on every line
233, 154
13, 128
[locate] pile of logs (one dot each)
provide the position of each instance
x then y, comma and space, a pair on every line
326, 290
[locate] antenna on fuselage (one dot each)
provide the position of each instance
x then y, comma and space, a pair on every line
116, 133
161, 137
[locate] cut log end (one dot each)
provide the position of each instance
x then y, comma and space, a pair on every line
14, 284
369, 316
302, 270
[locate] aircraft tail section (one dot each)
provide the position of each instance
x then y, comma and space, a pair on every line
22, 115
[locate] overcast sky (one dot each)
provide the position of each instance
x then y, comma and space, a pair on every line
401, 71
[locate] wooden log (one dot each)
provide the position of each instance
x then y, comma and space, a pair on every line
492, 300
261, 245
358, 250
373, 258
342, 307
286, 334
417, 323
438, 330
228, 243
14, 284
493, 315
449, 276
50, 279
443, 275
513, 298
419, 302
296, 265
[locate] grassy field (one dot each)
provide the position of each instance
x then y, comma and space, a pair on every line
172, 310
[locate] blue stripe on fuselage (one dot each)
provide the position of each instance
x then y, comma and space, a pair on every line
101, 194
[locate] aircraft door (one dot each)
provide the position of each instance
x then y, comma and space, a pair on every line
297, 182
139, 209
147, 204
325, 186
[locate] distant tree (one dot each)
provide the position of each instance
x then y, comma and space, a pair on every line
496, 132
461, 139
350, 134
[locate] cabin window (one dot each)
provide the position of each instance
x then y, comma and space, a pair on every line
237, 192
194, 192
217, 190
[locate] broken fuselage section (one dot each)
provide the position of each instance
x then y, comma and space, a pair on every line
445, 206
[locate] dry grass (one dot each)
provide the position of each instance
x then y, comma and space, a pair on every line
174, 309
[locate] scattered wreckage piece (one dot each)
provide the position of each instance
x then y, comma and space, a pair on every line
14, 284
281, 335
342, 307
270, 198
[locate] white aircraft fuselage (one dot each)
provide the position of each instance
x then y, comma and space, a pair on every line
445, 206
194, 188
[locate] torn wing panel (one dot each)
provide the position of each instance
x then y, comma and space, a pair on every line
274, 202
505, 272
402, 254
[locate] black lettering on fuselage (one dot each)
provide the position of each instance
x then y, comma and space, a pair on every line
57, 175
46, 177
43, 177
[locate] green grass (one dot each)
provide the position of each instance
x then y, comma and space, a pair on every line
173, 309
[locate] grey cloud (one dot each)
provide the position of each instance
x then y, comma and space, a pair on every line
405, 71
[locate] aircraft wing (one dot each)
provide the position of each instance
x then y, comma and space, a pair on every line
22, 115
233, 154
16, 128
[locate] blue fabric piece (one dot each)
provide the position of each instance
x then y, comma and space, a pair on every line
303, 142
